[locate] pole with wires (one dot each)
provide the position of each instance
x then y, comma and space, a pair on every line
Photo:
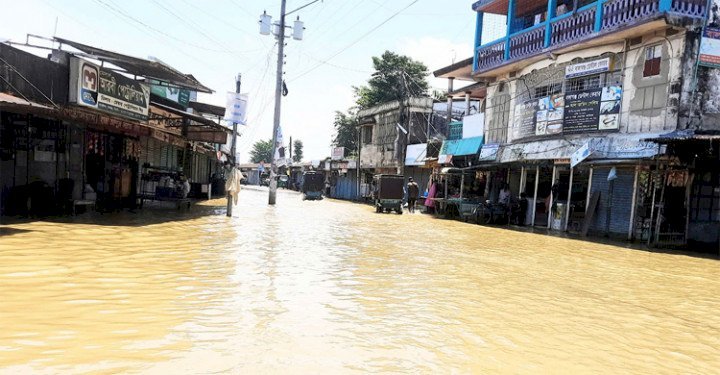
297, 33
233, 149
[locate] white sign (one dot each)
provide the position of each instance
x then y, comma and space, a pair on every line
416, 154
581, 154
474, 125
236, 108
587, 68
489, 152
338, 153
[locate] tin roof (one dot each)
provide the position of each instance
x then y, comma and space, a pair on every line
140, 67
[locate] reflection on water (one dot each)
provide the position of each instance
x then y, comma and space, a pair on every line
309, 287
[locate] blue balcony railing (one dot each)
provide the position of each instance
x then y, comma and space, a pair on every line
598, 18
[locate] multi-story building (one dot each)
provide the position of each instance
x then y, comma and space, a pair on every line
582, 103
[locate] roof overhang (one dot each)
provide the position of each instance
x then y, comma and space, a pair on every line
199, 128
476, 90
461, 70
140, 67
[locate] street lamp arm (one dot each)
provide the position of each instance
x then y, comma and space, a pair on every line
304, 6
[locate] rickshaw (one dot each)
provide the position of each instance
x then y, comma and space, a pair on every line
313, 185
389, 193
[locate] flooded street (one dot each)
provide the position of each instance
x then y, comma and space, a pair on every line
332, 287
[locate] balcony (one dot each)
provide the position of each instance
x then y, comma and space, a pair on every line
554, 33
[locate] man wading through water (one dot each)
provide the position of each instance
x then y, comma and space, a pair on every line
413, 191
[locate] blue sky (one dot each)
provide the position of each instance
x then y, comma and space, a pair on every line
216, 39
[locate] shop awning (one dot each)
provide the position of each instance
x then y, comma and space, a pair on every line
140, 67
461, 147
199, 128
686, 134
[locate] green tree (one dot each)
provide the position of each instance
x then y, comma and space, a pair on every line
345, 131
261, 151
396, 77
297, 151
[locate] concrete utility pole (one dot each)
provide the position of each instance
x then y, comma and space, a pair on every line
297, 34
233, 150
278, 97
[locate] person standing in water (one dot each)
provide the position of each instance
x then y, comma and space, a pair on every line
413, 190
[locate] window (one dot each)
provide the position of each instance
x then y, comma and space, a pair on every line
583, 83
367, 135
551, 89
652, 61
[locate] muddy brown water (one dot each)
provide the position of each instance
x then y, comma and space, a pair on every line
332, 287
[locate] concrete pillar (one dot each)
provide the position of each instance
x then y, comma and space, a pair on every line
537, 181
450, 99
467, 103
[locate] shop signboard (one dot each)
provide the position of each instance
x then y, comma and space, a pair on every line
588, 68
338, 153
108, 91
525, 119
710, 48
176, 94
581, 154
489, 152
592, 110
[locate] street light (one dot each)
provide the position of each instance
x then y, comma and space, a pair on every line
278, 29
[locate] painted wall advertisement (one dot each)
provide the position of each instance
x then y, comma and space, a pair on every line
94, 87
580, 112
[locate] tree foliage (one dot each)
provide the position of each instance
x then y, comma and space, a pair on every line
261, 151
396, 77
345, 131
297, 151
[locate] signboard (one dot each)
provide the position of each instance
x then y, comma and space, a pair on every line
588, 68
473, 125
525, 119
550, 114
236, 108
108, 91
489, 152
338, 153
710, 48
178, 95
581, 154
416, 154
592, 110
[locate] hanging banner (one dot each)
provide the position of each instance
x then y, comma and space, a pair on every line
236, 108
108, 91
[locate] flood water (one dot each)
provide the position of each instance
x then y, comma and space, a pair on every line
332, 287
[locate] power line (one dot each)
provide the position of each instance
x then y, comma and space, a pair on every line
356, 41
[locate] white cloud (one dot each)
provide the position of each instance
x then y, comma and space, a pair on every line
435, 53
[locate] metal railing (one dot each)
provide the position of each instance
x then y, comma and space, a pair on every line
595, 19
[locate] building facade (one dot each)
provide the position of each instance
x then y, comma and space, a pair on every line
579, 99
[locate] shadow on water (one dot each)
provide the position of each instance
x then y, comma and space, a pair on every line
151, 214
11, 231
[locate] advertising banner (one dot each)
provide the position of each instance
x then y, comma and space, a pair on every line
338, 153
592, 110
178, 95
94, 87
525, 119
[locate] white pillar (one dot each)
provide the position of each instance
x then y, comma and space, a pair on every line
534, 208
467, 103
567, 209
552, 198
632, 205
523, 179
589, 193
